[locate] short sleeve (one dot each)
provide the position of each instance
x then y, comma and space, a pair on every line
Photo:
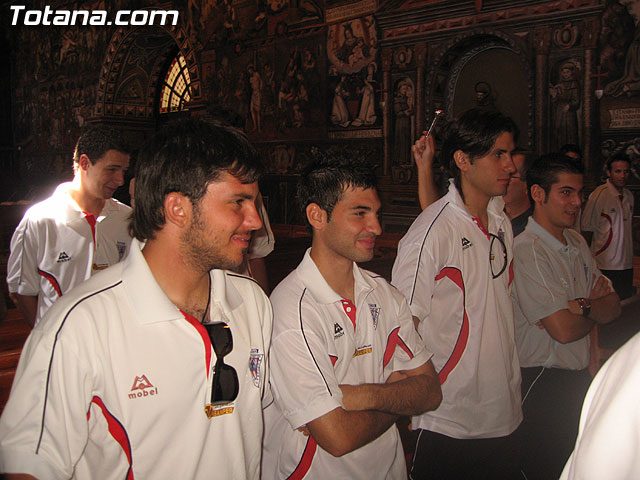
413, 274
302, 377
590, 214
22, 265
409, 351
43, 430
535, 287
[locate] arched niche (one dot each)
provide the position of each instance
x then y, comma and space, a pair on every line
484, 69
133, 71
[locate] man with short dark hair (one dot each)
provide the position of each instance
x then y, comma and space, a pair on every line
559, 295
345, 359
156, 367
453, 266
79, 230
609, 215
517, 205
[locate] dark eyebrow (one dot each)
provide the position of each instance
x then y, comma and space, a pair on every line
245, 196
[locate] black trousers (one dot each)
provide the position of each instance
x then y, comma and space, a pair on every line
551, 404
622, 282
439, 457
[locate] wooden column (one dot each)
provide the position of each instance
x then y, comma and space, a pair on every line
421, 101
591, 121
541, 42
386, 57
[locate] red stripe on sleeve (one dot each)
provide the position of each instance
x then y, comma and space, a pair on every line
394, 341
609, 237
305, 462
52, 280
117, 431
455, 276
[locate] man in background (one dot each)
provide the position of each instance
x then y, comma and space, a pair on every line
516, 201
453, 266
559, 295
608, 216
79, 230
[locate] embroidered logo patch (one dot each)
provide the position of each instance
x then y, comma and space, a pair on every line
362, 351
375, 313
142, 387
338, 331
217, 410
63, 257
255, 361
466, 243
122, 248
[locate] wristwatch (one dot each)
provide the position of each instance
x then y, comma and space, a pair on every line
585, 306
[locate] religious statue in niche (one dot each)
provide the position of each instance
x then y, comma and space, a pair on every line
629, 83
565, 98
404, 119
616, 34
293, 96
485, 97
351, 49
255, 103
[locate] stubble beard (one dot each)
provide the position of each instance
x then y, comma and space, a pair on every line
200, 251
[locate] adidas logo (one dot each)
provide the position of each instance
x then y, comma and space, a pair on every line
338, 330
466, 243
144, 387
63, 257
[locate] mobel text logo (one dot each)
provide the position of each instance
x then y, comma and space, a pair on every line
142, 387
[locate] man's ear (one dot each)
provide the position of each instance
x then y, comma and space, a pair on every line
83, 162
537, 193
178, 209
317, 216
462, 160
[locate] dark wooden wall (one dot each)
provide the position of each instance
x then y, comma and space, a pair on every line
363, 77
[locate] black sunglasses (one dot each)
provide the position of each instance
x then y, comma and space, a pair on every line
495, 259
225, 379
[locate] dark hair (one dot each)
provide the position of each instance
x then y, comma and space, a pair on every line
571, 148
545, 170
529, 158
95, 141
185, 157
327, 177
617, 157
475, 133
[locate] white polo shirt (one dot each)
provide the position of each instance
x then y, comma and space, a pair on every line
548, 274
319, 342
114, 383
55, 248
610, 219
609, 434
444, 270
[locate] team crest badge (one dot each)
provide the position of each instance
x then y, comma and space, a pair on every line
375, 313
122, 248
255, 361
